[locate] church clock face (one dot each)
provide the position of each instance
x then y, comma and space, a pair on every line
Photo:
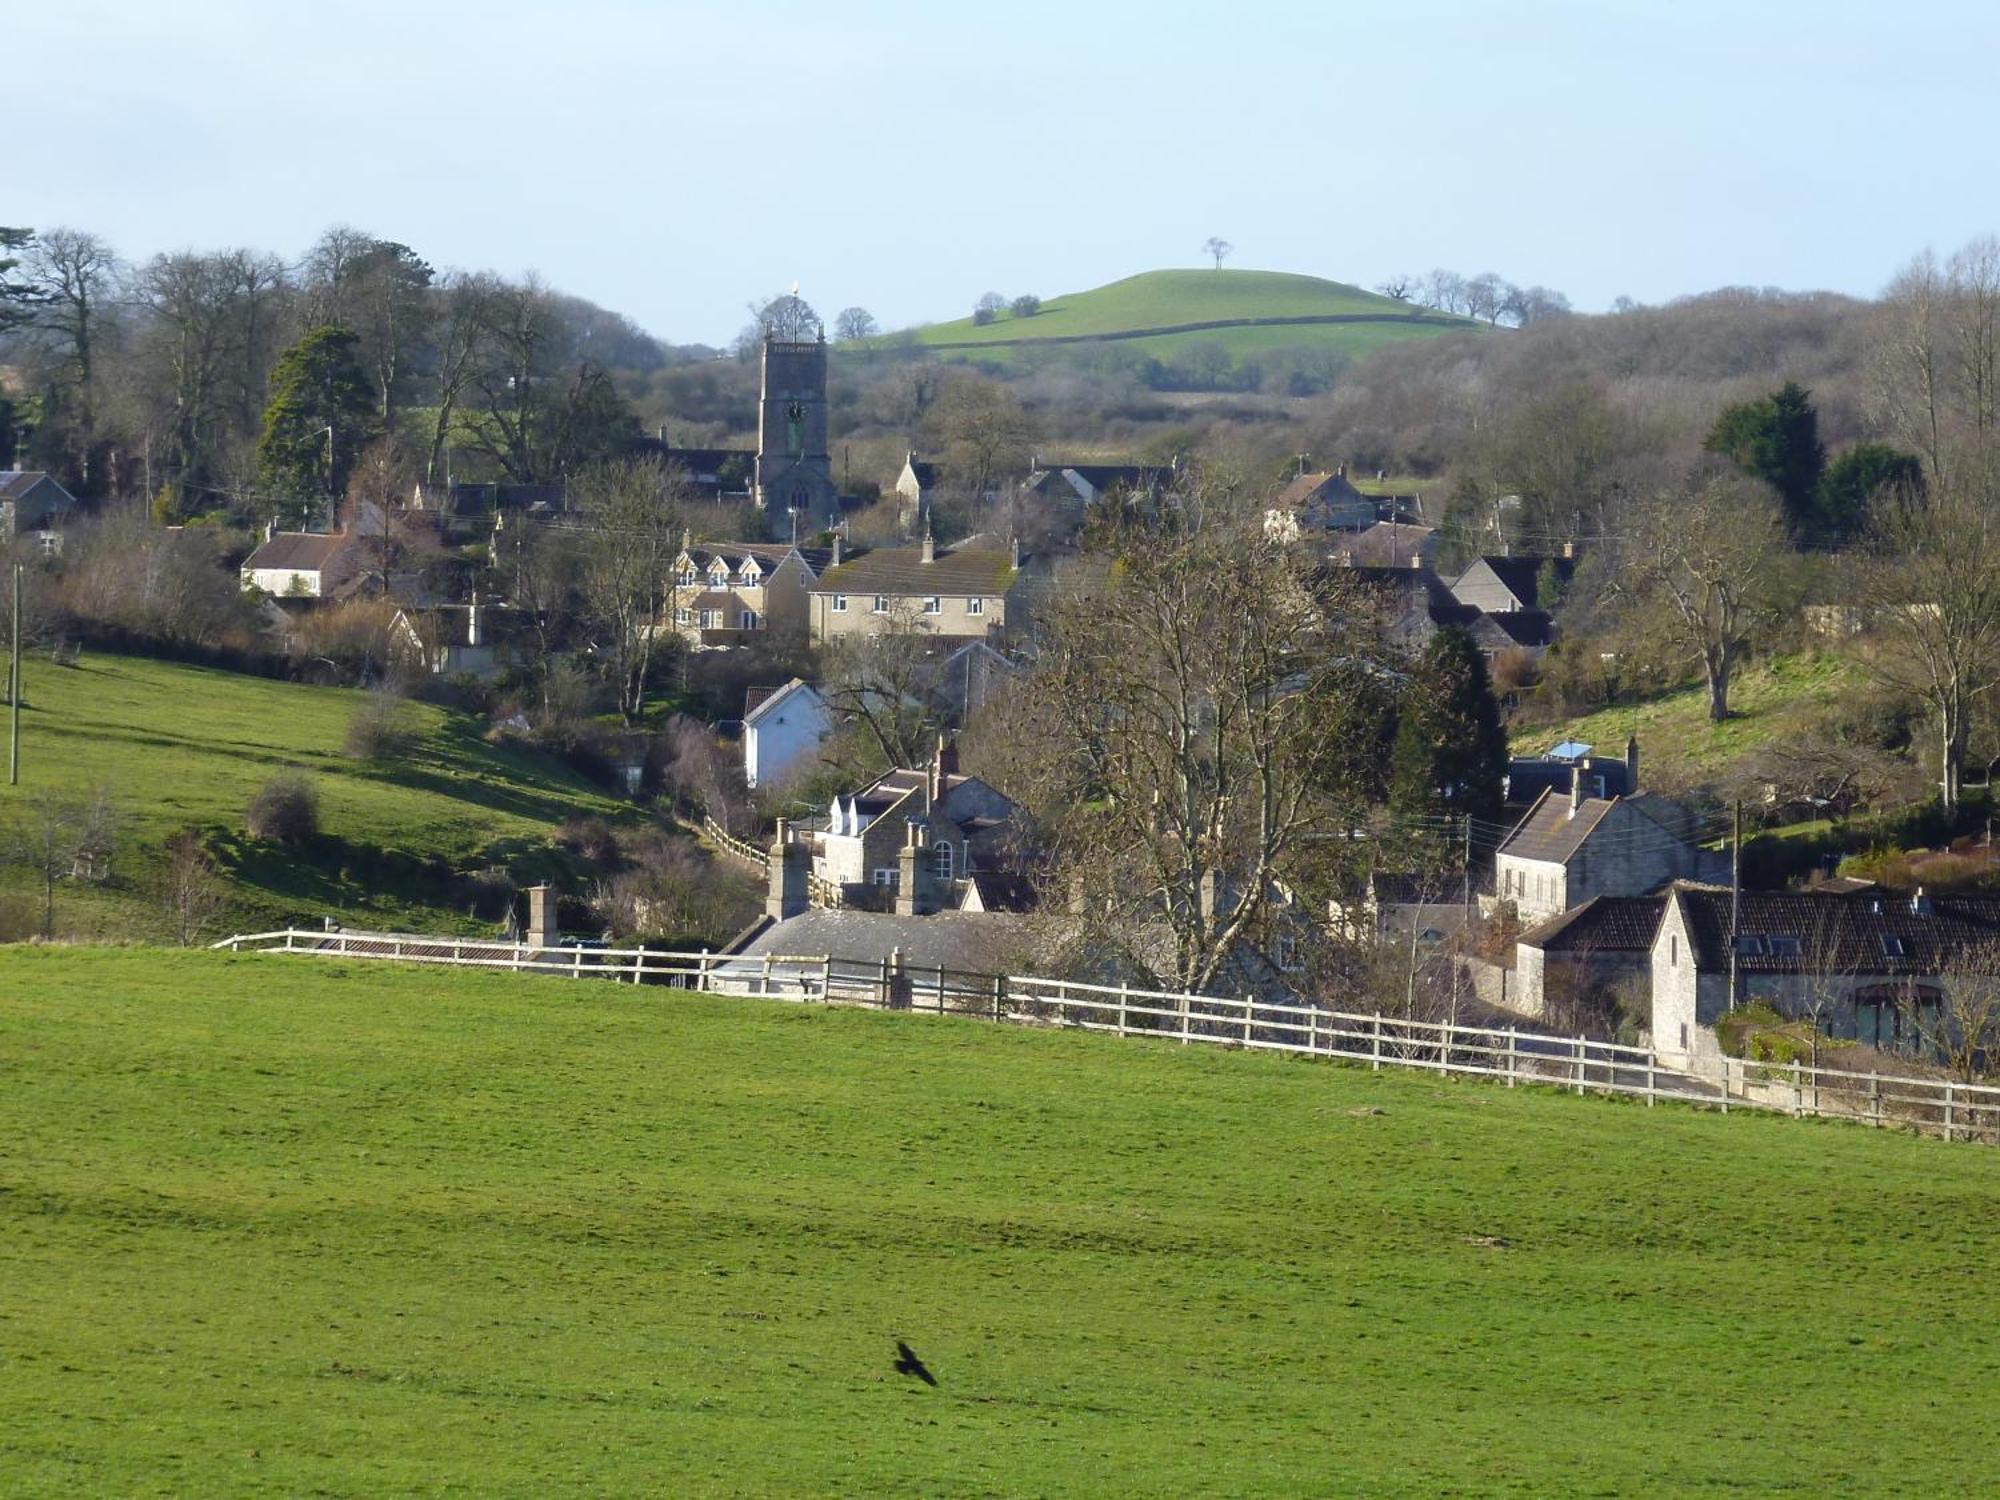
795, 421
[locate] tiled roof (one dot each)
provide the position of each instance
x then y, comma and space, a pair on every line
1521, 576
1552, 831
299, 551
1499, 629
14, 483
1300, 490
757, 702
1839, 933
902, 572
981, 942
1004, 891
1386, 545
1603, 924
769, 555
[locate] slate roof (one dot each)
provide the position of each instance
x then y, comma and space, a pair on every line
1603, 924
1386, 544
14, 483
759, 701
1004, 891
980, 942
1520, 575
1549, 834
1300, 490
769, 554
902, 571
1500, 629
299, 551
1863, 933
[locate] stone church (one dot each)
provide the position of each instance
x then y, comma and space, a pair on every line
789, 475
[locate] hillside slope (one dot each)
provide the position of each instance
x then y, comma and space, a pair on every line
1157, 312
180, 746
293, 1226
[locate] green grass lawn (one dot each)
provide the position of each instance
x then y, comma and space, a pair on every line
1158, 299
182, 746
1677, 740
281, 1226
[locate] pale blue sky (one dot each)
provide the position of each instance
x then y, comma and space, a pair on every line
673, 160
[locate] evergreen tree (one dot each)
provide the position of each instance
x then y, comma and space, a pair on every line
1450, 756
1776, 439
318, 385
19, 298
1855, 478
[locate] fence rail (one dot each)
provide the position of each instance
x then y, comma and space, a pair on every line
749, 853
1956, 1111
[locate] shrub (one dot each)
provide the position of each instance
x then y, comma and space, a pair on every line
380, 728
284, 811
981, 316
1025, 306
592, 839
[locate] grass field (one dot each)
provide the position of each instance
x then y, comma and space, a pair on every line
277, 1226
1677, 740
182, 746
1168, 299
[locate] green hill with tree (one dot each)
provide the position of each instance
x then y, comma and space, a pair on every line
298, 1226
1158, 313
414, 803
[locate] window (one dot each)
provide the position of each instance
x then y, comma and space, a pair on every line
1892, 946
711, 619
683, 616
975, 605
881, 604
1749, 945
941, 865
1784, 946
1286, 953
933, 605
840, 604
751, 576
887, 878
1674, 950
747, 620
718, 577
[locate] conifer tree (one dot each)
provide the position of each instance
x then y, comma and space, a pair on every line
318, 385
1450, 756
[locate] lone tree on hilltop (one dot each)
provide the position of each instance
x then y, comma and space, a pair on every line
1215, 245
853, 323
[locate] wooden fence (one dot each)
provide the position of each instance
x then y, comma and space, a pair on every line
728, 843
1956, 1111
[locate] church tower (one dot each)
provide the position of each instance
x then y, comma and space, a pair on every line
794, 471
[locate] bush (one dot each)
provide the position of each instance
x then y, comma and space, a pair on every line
981, 316
284, 811
380, 728
1025, 306
592, 839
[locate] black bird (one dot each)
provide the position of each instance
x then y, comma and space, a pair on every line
907, 1363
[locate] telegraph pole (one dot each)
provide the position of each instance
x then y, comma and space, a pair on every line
14, 689
1735, 888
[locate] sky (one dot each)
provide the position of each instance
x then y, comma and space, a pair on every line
673, 161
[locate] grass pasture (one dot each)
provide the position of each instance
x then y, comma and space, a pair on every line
182, 746
277, 1226
1127, 311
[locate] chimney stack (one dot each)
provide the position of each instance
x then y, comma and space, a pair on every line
472, 631
1631, 765
1014, 552
787, 894
837, 549
910, 871
541, 917
930, 547
1575, 789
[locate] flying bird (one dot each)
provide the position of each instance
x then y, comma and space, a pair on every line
907, 1363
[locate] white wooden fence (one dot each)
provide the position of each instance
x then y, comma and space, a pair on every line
1957, 1111
728, 843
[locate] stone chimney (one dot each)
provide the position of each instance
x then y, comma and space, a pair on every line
910, 900
1014, 553
541, 917
270, 528
838, 550
1575, 789
930, 547
1631, 765
789, 865
944, 765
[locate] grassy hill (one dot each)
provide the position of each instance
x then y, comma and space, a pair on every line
1679, 743
1157, 313
180, 746
276, 1226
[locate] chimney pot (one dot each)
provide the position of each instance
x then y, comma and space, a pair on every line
1575, 789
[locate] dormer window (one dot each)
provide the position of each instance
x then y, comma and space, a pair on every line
751, 573
689, 577
718, 575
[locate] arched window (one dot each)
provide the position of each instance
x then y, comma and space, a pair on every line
941, 862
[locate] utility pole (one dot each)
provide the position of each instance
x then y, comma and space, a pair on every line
1735, 887
14, 689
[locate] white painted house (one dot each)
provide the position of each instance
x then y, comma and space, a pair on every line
781, 730
301, 564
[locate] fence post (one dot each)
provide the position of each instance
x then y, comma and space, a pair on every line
1576, 1052
1444, 1057
1798, 1092
1512, 1048
997, 982
940, 989
1948, 1120
1249, 1015
1124, 998
1875, 1100
1650, 1101
1375, 1043
576, 964
1725, 1083
1312, 1029
883, 993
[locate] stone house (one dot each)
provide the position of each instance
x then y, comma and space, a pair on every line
1866, 965
1078, 486
1507, 585
736, 593
33, 508
450, 640
1388, 544
1568, 849
302, 564
1394, 905
916, 489
1562, 965
962, 592
782, 727
913, 835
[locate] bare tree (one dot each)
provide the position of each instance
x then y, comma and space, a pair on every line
632, 512
1966, 1031
1708, 572
1933, 592
852, 323
1400, 286
1217, 248
75, 274
1192, 704
981, 433
192, 890
46, 842
880, 682
460, 316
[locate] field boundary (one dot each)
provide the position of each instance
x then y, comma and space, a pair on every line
1952, 1110
1167, 330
